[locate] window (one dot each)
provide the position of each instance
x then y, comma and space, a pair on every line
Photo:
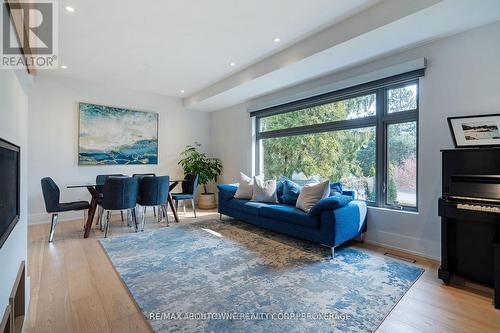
352, 108
365, 137
347, 156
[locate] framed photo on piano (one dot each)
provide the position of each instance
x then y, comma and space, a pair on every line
475, 131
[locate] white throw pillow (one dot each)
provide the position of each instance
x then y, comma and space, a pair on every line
264, 190
311, 194
245, 187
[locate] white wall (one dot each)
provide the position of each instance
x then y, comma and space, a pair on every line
14, 128
53, 136
462, 78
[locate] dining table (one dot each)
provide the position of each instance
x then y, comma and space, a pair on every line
94, 193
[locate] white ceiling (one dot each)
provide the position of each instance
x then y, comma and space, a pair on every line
165, 46
388, 27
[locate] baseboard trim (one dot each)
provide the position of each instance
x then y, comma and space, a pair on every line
410, 245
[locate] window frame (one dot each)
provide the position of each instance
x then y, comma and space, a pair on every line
381, 121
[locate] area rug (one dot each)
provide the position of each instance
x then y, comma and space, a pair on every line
229, 276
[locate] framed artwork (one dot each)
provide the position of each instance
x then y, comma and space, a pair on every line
475, 131
111, 136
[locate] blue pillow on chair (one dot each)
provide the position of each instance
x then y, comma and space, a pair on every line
291, 192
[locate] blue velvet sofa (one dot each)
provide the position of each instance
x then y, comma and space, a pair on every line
331, 222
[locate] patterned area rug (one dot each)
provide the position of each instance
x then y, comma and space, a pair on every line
229, 276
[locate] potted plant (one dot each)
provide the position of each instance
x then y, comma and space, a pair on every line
207, 169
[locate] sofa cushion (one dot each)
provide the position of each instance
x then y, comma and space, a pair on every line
245, 187
312, 194
335, 188
249, 207
291, 192
289, 214
330, 203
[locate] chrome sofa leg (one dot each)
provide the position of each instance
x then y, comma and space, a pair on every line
362, 236
184, 206
53, 226
194, 209
106, 227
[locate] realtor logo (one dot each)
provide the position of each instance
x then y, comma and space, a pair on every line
29, 35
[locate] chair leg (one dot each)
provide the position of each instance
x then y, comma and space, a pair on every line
143, 218
99, 216
159, 213
134, 217
84, 218
121, 213
165, 212
108, 220
53, 226
101, 219
194, 208
184, 206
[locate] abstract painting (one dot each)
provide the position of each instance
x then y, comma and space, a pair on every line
110, 136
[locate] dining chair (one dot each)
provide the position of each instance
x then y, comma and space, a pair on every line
153, 192
100, 180
51, 196
119, 193
189, 188
138, 176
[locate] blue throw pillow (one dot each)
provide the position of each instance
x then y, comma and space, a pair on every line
291, 192
279, 188
335, 188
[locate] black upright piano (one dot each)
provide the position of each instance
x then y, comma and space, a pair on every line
470, 216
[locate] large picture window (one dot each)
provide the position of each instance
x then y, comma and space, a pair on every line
365, 137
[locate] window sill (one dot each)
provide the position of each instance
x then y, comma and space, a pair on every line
393, 210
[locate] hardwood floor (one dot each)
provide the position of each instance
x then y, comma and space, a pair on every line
74, 288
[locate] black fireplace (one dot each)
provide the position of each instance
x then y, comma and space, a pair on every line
9, 188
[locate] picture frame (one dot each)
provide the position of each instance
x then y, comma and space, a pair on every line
109, 135
475, 131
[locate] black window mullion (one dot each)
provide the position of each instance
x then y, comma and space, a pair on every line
320, 128
381, 149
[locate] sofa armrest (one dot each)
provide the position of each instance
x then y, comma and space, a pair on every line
330, 203
227, 191
350, 193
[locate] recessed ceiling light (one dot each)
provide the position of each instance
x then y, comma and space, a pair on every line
232, 64
64, 67
69, 9
277, 40
182, 91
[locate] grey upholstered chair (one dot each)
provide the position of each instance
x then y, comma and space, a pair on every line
139, 176
153, 192
119, 193
51, 196
189, 189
